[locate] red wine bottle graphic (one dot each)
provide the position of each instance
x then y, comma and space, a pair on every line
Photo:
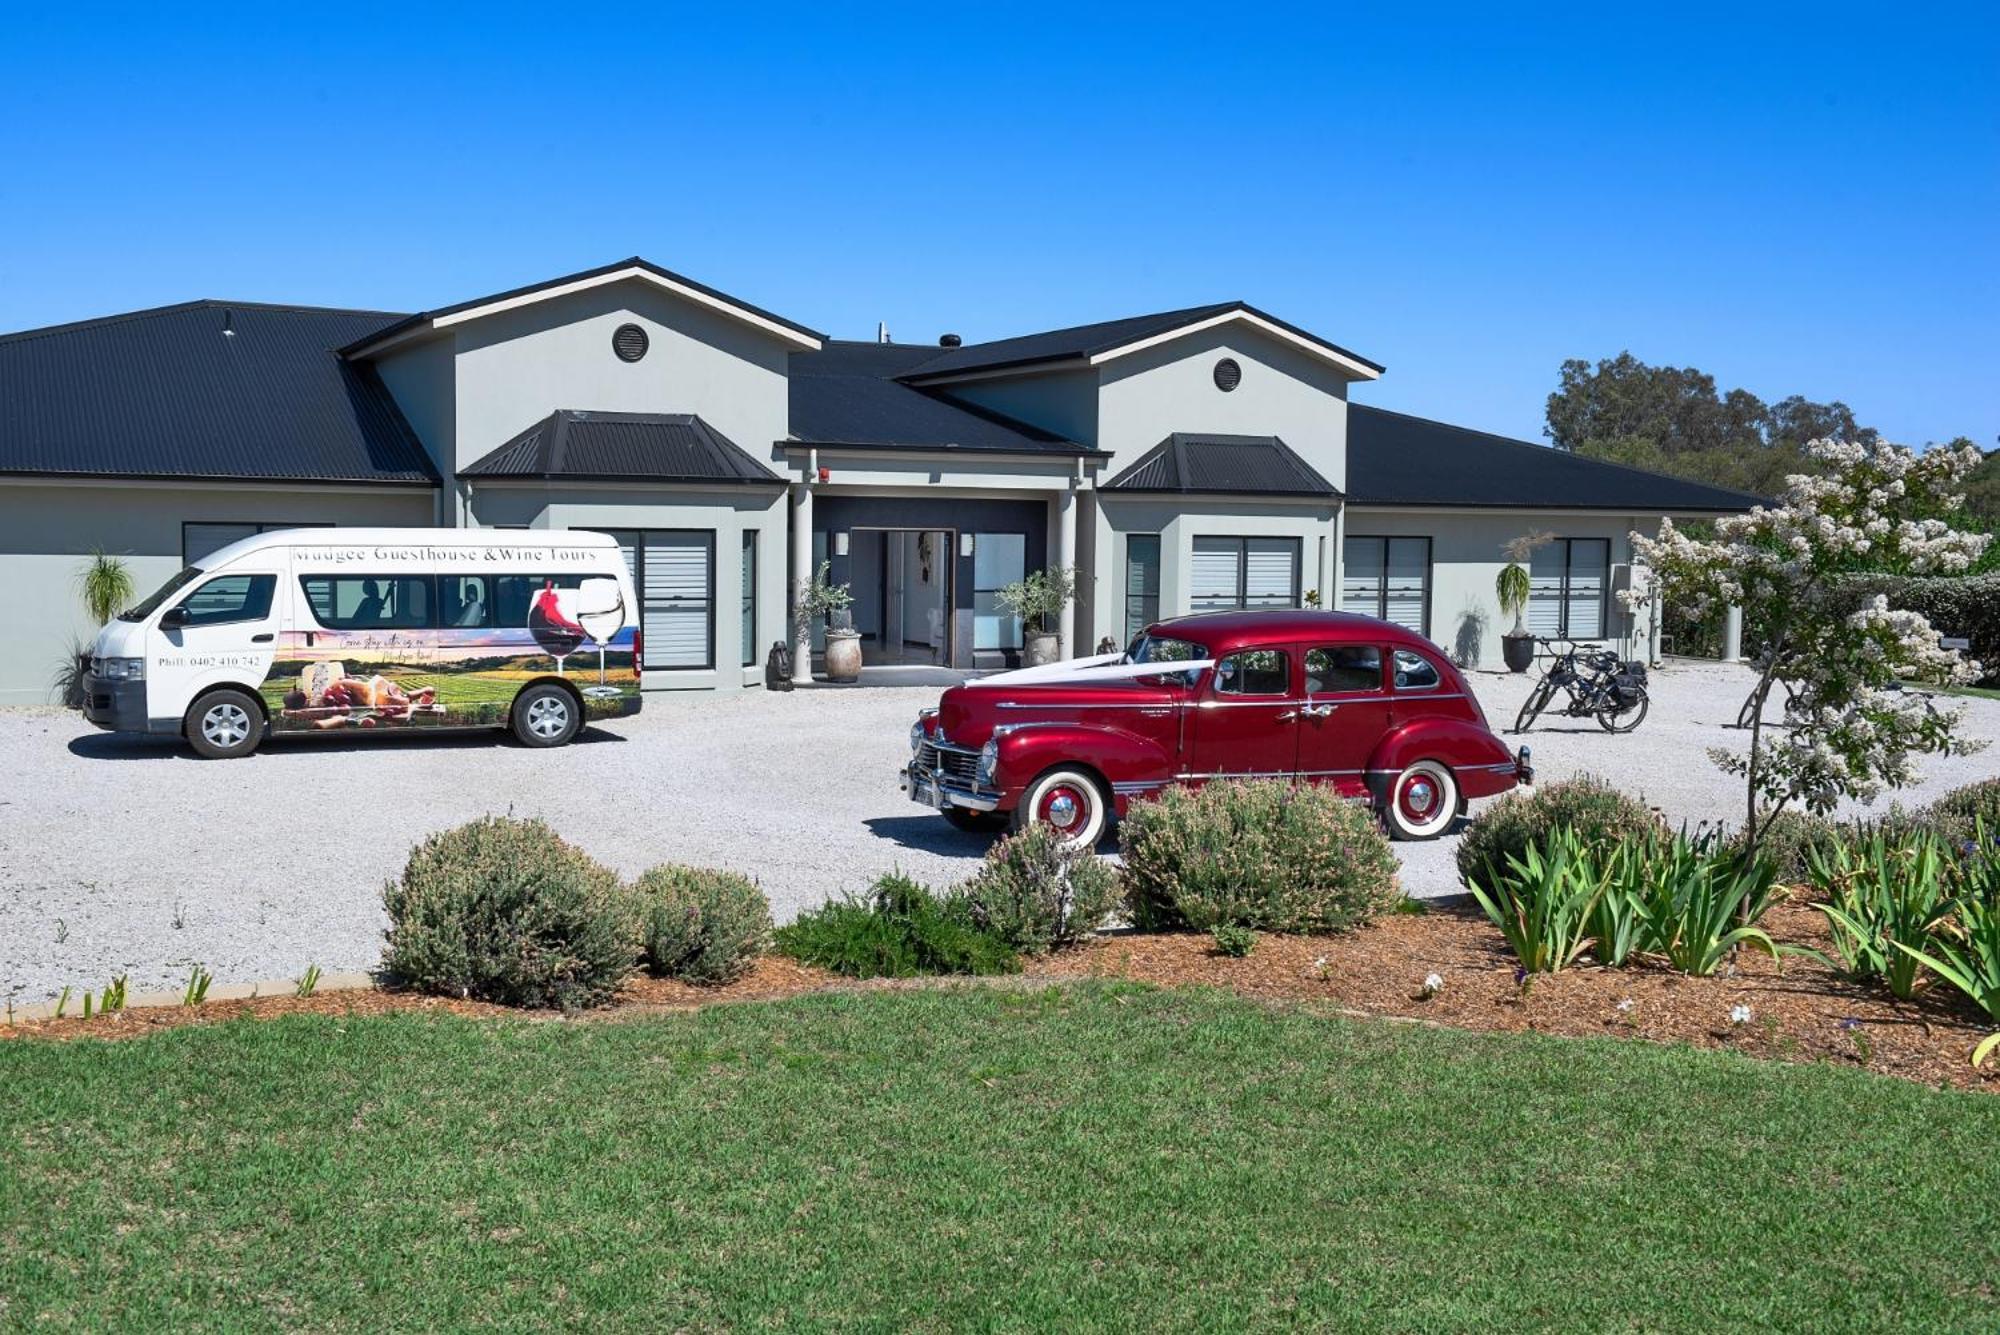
552, 628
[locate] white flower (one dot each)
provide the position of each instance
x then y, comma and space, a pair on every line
1625, 1005
1739, 1014
1433, 984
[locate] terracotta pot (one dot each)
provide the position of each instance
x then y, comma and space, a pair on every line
1519, 651
843, 655
1041, 649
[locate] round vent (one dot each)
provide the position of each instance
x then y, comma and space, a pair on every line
629, 342
1228, 375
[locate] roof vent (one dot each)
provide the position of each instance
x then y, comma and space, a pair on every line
629, 341
1228, 375
229, 324
950, 341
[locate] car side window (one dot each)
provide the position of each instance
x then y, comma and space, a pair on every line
1343, 668
228, 598
1254, 672
1414, 672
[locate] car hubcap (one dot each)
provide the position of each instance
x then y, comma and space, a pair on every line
1064, 808
547, 717
225, 725
1420, 798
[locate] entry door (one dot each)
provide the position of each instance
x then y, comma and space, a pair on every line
1246, 723
1346, 712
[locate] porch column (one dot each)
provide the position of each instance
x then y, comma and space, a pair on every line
1066, 558
1732, 635
802, 573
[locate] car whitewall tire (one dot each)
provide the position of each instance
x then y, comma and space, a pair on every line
1068, 801
1422, 803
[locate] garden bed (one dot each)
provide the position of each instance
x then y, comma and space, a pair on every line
1801, 1012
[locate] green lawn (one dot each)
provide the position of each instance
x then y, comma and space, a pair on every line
1103, 1157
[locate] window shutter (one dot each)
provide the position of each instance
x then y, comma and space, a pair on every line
1271, 572
1545, 589
1361, 576
1405, 583
1587, 561
1212, 579
679, 570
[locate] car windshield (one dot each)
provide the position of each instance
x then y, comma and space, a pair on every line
173, 586
1164, 649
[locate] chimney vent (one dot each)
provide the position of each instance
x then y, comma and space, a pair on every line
882, 331
950, 341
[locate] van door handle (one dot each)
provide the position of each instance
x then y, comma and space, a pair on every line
264, 638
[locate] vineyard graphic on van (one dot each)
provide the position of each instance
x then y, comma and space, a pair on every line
457, 665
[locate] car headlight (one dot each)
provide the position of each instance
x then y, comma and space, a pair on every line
916, 734
122, 669
989, 760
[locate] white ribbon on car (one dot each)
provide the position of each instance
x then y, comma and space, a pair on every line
1087, 671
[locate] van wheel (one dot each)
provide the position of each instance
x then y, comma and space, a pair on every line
546, 715
223, 725
1068, 801
1422, 803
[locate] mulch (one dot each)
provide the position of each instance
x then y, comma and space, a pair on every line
1800, 1010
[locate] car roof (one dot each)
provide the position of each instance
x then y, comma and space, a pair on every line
1284, 625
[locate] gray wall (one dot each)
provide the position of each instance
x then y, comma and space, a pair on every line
47, 533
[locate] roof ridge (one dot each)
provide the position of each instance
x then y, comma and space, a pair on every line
176, 308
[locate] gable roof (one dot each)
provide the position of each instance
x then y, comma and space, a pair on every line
847, 394
1091, 344
1396, 459
579, 445
1237, 465
205, 390
633, 268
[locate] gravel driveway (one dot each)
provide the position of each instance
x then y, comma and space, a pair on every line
126, 854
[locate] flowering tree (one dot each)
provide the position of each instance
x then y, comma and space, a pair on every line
1849, 729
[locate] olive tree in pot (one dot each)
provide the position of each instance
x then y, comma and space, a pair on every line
1038, 600
1513, 587
822, 601
105, 583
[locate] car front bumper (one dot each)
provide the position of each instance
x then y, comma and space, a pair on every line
928, 789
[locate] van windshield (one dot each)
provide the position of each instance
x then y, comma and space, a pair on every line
173, 586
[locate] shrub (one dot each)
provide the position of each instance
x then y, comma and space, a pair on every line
503, 910
1235, 942
1036, 893
1501, 834
1263, 854
899, 929
1791, 838
1967, 605
700, 926
1965, 815
1884, 894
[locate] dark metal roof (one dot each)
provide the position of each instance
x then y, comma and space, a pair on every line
361, 345
847, 395
1396, 459
1238, 465
1088, 340
579, 445
206, 390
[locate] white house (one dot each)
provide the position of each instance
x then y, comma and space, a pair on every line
1183, 461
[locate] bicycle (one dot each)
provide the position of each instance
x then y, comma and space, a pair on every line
1598, 683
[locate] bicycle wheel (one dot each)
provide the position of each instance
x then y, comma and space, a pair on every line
1616, 716
1537, 701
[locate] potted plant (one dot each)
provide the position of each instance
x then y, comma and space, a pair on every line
1037, 600
821, 600
106, 585
1513, 587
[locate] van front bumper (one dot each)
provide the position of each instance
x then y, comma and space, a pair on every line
120, 706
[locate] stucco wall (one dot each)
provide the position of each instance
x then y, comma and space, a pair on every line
47, 533
1466, 558
728, 514
1064, 402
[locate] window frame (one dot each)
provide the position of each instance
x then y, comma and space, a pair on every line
639, 539
1395, 684
1381, 608
255, 527
1568, 546
270, 584
1243, 541
747, 578
1136, 626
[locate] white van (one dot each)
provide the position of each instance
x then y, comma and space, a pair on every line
350, 630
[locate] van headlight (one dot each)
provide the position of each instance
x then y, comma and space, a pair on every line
989, 760
122, 669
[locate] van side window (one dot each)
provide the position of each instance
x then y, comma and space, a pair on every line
1414, 672
1253, 672
369, 602
464, 601
512, 595
1343, 668
228, 598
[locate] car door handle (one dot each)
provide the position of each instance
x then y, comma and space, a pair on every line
264, 638
1317, 711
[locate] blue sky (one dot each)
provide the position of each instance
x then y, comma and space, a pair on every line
1796, 200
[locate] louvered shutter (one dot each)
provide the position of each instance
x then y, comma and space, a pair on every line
1361, 576
1142, 583
1271, 572
1406, 582
1212, 582
1588, 562
678, 581
1545, 589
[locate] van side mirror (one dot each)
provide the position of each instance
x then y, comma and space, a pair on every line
174, 617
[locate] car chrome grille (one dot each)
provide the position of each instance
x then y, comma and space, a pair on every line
950, 763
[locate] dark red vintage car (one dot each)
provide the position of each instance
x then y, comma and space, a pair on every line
1329, 697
